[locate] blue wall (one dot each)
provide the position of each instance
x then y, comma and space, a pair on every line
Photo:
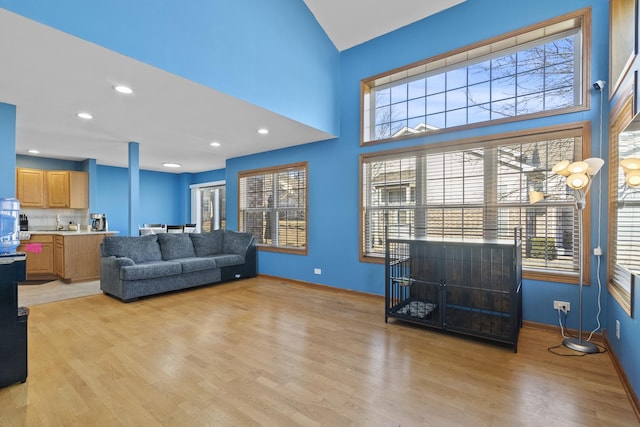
46, 163
7, 145
270, 53
161, 198
333, 165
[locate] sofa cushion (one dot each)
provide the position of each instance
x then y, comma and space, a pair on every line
190, 265
138, 248
226, 260
235, 242
176, 245
207, 244
150, 270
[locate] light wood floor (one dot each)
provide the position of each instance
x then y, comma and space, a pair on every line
273, 353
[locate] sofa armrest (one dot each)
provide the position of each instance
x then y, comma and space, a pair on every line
110, 274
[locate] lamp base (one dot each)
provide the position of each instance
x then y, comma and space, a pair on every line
581, 346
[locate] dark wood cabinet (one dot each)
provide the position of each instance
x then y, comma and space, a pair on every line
468, 286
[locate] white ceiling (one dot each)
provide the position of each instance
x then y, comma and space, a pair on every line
351, 22
50, 76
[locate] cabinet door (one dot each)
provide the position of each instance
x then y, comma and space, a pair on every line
78, 190
82, 257
40, 257
58, 189
30, 187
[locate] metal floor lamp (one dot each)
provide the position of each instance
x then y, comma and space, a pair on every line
579, 177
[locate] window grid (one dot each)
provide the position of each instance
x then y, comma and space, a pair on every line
536, 79
479, 192
273, 206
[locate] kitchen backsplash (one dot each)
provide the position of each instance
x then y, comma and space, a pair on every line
45, 219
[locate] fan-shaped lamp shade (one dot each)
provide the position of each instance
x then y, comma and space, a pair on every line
561, 168
589, 166
578, 181
535, 197
594, 165
633, 178
577, 167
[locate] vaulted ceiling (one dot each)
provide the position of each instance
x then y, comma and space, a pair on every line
49, 75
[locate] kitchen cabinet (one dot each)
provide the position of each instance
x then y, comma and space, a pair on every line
39, 250
77, 257
67, 189
52, 189
30, 187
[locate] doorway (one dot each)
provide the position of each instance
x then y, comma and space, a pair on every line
208, 206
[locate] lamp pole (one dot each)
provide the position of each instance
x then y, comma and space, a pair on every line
578, 344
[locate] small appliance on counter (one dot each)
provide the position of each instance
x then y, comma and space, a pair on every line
24, 223
98, 222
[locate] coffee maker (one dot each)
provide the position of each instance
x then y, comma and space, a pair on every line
98, 222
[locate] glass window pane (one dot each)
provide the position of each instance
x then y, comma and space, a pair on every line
479, 73
456, 78
479, 93
436, 121
530, 59
456, 117
504, 66
479, 113
417, 88
436, 103
529, 104
436, 83
503, 109
457, 98
382, 97
503, 88
417, 107
399, 93
398, 111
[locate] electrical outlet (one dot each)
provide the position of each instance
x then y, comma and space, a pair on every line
618, 329
562, 305
317, 271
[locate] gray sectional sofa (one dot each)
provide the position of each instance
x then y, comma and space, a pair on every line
138, 266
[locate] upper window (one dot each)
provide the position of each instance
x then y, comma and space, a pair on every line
538, 71
478, 189
273, 207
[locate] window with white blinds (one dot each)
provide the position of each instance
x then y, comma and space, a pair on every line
478, 190
273, 207
624, 207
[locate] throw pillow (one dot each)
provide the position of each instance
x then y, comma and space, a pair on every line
138, 248
176, 245
208, 244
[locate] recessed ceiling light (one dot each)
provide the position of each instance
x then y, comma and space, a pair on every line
85, 116
171, 165
123, 89
214, 144
263, 131
34, 151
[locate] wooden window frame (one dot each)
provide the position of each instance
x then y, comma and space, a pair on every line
274, 170
619, 118
580, 129
444, 60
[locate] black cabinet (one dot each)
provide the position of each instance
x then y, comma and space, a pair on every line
468, 286
13, 321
